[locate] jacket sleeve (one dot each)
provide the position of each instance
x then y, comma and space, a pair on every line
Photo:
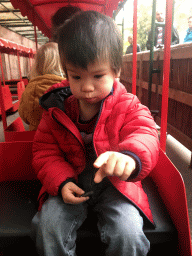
48, 160
139, 137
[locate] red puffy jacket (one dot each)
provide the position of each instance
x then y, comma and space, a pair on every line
124, 125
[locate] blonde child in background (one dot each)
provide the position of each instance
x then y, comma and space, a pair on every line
45, 72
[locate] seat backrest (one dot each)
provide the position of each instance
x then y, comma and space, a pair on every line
20, 89
16, 132
25, 81
171, 188
17, 125
19, 135
7, 98
16, 161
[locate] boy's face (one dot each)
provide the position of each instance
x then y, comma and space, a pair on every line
90, 86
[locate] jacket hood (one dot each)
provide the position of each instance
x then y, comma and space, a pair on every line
55, 96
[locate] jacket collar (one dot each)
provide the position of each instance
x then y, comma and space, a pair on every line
56, 96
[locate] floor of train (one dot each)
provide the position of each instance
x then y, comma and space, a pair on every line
178, 154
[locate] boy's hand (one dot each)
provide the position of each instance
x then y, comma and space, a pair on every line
71, 192
114, 164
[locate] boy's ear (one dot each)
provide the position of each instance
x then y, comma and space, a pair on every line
117, 75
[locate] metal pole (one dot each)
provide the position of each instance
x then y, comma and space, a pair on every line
173, 12
2, 102
134, 72
166, 71
36, 38
151, 52
19, 65
123, 25
2, 72
2, 105
35, 31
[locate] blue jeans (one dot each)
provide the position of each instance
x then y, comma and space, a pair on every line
120, 225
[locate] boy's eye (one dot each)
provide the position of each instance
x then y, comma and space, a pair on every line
98, 76
76, 77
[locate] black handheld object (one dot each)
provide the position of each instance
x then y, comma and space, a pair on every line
87, 194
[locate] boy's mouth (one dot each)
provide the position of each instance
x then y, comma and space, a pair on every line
90, 100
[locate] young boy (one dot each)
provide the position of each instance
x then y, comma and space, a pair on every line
94, 138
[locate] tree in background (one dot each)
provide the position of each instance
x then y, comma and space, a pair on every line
182, 10
143, 25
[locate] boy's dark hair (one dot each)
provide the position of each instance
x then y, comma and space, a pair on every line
58, 19
88, 37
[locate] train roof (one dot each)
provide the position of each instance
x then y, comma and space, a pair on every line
39, 12
10, 47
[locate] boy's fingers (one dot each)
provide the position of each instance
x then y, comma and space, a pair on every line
102, 159
105, 164
72, 199
71, 193
100, 175
77, 190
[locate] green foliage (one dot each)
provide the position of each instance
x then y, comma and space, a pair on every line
182, 10
143, 25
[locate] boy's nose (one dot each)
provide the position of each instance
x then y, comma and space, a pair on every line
87, 87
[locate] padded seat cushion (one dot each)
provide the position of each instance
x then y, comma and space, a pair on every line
18, 206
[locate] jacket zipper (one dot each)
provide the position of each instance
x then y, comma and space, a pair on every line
95, 170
